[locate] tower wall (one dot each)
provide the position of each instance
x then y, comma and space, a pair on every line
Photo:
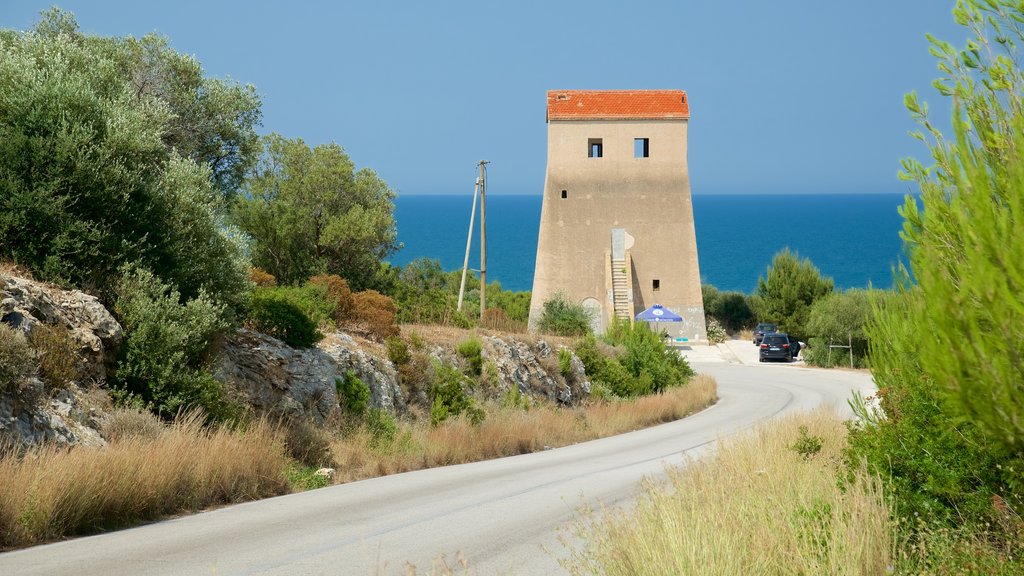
648, 197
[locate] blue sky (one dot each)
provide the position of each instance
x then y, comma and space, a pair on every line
787, 96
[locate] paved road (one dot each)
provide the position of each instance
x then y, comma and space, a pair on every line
504, 516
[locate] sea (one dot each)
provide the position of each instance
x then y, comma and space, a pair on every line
852, 238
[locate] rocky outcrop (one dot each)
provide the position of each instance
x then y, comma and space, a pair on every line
33, 415
63, 420
535, 370
277, 379
25, 303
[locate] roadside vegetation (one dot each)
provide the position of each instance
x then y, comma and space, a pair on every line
151, 468
928, 477
778, 500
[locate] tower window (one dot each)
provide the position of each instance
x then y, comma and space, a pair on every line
565, 193
657, 285
641, 147
595, 148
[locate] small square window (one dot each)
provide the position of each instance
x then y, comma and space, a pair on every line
595, 148
565, 193
641, 148
657, 285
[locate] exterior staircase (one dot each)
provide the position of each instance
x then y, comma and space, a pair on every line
621, 289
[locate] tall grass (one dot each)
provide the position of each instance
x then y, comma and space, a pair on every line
51, 492
769, 502
508, 431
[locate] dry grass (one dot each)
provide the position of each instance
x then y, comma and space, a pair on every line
50, 492
509, 431
746, 334
756, 507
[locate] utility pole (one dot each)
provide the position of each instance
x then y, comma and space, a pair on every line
483, 239
469, 242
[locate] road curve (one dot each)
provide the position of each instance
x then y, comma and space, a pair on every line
504, 516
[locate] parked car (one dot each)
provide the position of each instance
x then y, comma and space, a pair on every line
762, 329
778, 346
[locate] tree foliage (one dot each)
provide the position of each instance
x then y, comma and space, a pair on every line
966, 239
787, 291
734, 310
89, 182
841, 318
947, 353
163, 357
310, 212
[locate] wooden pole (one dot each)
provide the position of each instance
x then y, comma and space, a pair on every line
469, 242
483, 239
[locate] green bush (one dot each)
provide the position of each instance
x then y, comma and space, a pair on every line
648, 360
17, 359
353, 394
472, 351
448, 397
273, 312
607, 373
563, 318
162, 360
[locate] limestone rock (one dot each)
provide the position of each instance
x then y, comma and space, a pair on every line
278, 379
25, 303
534, 370
62, 420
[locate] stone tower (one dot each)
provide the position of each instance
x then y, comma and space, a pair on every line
616, 226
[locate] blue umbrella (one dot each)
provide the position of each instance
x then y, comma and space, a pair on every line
658, 313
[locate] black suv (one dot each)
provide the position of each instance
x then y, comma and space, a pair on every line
778, 345
762, 329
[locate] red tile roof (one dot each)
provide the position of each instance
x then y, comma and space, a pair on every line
617, 104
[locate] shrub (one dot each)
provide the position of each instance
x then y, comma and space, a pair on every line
398, 351
471, 350
376, 312
17, 359
262, 279
448, 398
353, 394
337, 292
716, 334
605, 370
57, 352
166, 342
647, 358
563, 318
274, 313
